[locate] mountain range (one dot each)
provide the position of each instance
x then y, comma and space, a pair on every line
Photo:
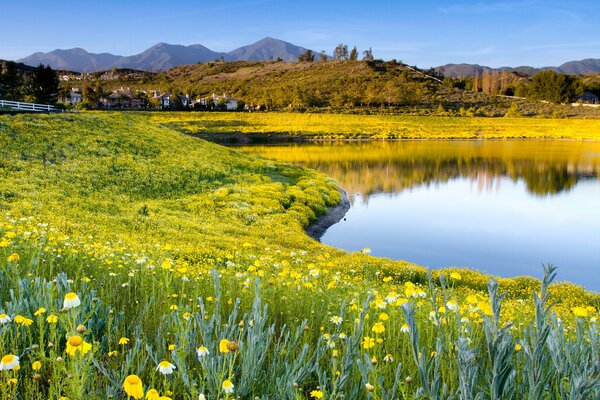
163, 56
580, 67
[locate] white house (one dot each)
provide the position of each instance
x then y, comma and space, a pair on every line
231, 103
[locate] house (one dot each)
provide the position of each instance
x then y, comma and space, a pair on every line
125, 98
230, 103
168, 100
73, 97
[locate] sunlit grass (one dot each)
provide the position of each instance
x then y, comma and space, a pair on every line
337, 126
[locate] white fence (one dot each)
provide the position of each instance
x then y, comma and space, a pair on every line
20, 106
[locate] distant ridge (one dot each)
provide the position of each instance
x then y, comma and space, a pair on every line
580, 67
163, 56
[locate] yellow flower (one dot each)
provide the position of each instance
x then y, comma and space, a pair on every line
71, 301
36, 366
77, 344
580, 312
52, 319
384, 317
12, 381
316, 394
133, 387
227, 386
123, 340
518, 347
113, 353
173, 307
152, 394
378, 327
39, 311
368, 342
223, 346
9, 362
456, 276
19, 319
13, 257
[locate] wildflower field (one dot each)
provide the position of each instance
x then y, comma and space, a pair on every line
351, 126
138, 262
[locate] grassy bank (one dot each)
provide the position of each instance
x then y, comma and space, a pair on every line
173, 244
339, 126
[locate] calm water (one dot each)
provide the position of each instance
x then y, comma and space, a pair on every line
500, 207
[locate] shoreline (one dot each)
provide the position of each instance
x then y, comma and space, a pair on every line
333, 215
249, 139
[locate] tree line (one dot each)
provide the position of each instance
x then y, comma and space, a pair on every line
547, 85
339, 53
22, 83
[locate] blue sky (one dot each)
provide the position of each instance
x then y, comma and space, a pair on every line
423, 33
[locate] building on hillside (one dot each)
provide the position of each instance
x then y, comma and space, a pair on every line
73, 97
125, 98
171, 100
228, 103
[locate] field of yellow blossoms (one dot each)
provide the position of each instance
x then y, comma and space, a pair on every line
140, 263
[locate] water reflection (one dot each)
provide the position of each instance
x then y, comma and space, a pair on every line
501, 207
367, 168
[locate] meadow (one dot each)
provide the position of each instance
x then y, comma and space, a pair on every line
350, 126
140, 262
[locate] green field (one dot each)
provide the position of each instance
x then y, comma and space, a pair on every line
339, 126
188, 253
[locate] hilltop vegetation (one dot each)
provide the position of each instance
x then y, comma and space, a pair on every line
181, 268
334, 86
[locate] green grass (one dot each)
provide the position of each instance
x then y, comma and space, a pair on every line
175, 243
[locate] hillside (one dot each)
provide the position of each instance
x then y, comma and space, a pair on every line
332, 86
336, 84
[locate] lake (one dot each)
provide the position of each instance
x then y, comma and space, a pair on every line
502, 207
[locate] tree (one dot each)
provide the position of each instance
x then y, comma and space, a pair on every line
504, 82
494, 82
476, 82
368, 55
308, 56
323, 56
44, 85
557, 88
11, 82
340, 52
486, 81
354, 54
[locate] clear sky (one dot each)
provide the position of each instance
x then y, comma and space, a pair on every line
423, 33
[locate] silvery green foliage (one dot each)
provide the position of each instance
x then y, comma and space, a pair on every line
500, 377
431, 382
468, 372
539, 371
